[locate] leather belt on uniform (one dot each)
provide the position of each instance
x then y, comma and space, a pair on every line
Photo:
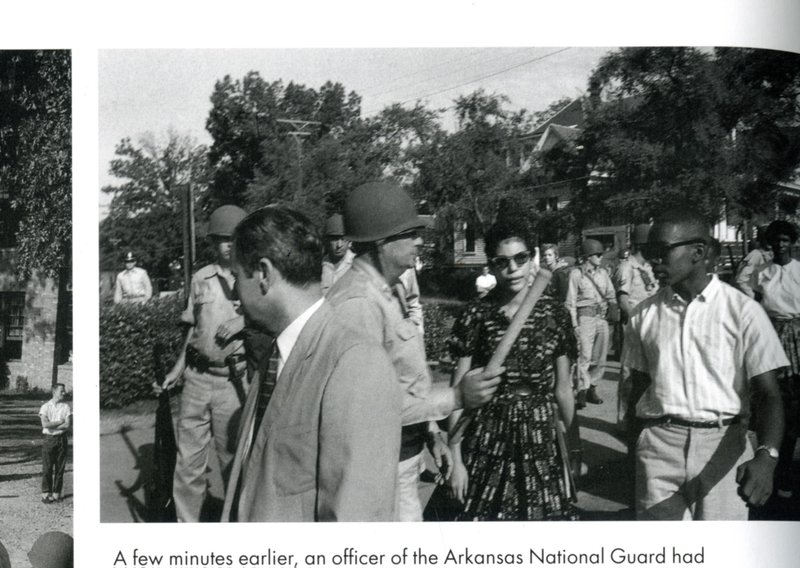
591, 311
691, 423
199, 361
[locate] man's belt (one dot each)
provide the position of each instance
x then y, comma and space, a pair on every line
667, 420
592, 311
199, 361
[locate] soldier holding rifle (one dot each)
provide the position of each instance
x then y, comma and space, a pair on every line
210, 401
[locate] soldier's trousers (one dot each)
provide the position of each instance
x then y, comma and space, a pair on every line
592, 350
209, 408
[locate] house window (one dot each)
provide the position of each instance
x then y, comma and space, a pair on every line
12, 305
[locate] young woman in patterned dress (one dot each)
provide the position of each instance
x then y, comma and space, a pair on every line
510, 465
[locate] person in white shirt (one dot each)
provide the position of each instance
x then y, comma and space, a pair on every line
133, 284
755, 259
695, 350
55, 416
485, 282
777, 284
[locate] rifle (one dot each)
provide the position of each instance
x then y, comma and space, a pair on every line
165, 450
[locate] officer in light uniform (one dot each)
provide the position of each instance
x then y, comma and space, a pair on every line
133, 284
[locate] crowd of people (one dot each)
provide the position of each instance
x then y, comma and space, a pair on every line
304, 362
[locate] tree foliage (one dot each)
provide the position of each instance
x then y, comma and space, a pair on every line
255, 159
464, 175
683, 126
36, 156
145, 215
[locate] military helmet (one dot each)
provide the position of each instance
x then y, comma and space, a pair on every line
378, 210
52, 550
640, 232
224, 220
334, 226
590, 247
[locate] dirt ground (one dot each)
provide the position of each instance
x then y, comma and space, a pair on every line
24, 516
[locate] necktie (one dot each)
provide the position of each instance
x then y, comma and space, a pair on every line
269, 374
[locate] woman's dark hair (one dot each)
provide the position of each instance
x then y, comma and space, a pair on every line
777, 228
504, 229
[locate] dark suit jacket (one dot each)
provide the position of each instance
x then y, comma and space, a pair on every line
327, 446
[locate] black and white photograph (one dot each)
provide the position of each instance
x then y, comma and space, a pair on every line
439, 284
36, 380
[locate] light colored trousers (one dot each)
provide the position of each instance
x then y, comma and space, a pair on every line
408, 507
209, 408
690, 473
592, 350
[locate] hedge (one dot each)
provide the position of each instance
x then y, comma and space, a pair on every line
128, 336
129, 333
439, 319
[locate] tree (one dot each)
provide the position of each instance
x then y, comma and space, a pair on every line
255, 159
682, 126
464, 175
144, 215
36, 158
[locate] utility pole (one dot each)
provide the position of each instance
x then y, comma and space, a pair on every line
301, 130
187, 209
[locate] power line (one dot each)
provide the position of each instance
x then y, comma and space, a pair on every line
481, 78
453, 72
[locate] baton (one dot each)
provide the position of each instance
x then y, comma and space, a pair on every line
507, 342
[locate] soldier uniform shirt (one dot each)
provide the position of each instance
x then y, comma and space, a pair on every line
582, 289
206, 309
132, 286
635, 279
332, 272
700, 355
363, 300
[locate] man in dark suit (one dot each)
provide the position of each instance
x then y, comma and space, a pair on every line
320, 437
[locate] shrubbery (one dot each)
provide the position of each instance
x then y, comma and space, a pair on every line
128, 335
439, 318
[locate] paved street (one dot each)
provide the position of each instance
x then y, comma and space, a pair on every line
126, 466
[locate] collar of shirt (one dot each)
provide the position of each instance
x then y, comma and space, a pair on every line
288, 337
711, 289
375, 277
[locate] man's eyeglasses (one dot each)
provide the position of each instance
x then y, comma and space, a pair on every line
503, 262
655, 252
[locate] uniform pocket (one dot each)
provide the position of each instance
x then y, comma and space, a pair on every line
295, 459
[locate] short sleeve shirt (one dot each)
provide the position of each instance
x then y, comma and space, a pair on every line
207, 308
779, 287
52, 412
700, 355
635, 279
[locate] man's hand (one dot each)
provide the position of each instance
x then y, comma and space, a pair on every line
170, 381
478, 386
441, 454
228, 329
755, 479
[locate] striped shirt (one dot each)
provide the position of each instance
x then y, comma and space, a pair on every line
700, 355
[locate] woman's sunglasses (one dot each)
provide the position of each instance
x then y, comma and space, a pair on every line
503, 262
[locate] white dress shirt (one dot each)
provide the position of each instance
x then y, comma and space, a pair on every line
700, 355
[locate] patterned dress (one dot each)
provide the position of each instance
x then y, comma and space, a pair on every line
510, 450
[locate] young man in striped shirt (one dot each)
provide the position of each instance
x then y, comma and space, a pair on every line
695, 350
